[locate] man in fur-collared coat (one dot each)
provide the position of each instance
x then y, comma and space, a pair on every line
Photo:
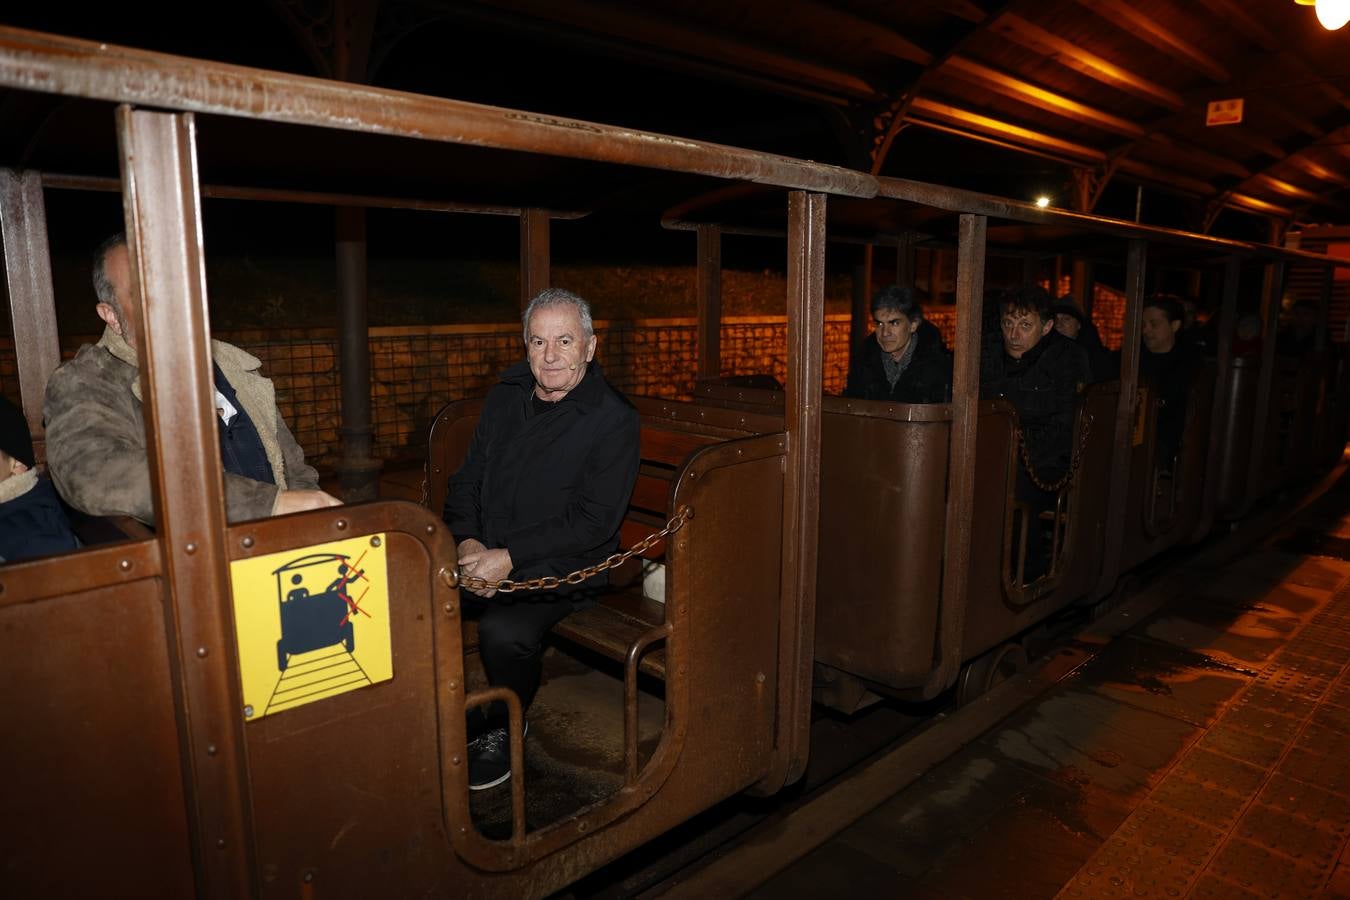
96, 445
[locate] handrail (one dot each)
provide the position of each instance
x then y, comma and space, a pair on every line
630, 697
54, 64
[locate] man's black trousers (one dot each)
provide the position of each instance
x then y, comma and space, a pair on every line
511, 643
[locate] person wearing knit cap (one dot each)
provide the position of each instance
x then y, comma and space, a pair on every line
1073, 324
32, 522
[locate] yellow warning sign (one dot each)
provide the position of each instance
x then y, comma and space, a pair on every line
311, 623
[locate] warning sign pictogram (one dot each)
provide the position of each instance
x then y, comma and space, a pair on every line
311, 623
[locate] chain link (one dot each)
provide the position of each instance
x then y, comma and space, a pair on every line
1074, 462
454, 579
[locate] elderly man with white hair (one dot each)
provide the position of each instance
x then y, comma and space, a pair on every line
543, 491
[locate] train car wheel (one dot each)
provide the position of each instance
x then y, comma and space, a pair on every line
981, 674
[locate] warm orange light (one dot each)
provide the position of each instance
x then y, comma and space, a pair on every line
1042, 201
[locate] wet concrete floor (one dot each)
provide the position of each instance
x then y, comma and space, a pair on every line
1202, 754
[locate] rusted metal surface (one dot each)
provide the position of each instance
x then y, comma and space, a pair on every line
319, 198
1125, 411
958, 200
96, 806
358, 471
32, 313
59, 65
536, 266
961, 458
159, 169
801, 495
709, 301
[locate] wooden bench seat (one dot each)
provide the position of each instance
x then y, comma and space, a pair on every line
615, 624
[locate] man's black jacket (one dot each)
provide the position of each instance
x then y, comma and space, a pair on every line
927, 378
552, 487
1044, 386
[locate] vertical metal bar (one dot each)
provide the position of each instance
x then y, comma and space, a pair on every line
1324, 307
961, 451
1223, 385
709, 301
801, 500
535, 261
28, 274
904, 259
1271, 284
1122, 447
358, 471
862, 301
1079, 280
1031, 270
163, 213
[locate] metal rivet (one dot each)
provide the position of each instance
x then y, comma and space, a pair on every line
309, 876
341, 524
431, 529
201, 652
125, 565
760, 677
190, 548
212, 749
454, 760
220, 843
246, 542
248, 711
450, 608
582, 826
454, 685
375, 541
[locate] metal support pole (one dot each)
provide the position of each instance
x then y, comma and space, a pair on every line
1324, 307
801, 499
1271, 285
535, 261
970, 264
1126, 408
709, 301
1223, 385
1080, 284
28, 274
862, 302
359, 472
904, 259
163, 214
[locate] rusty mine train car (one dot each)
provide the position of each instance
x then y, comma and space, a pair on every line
131, 743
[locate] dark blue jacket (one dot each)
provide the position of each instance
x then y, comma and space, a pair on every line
34, 524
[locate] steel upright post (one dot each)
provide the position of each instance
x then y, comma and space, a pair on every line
163, 213
28, 274
359, 471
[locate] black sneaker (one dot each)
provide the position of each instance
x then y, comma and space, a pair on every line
490, 758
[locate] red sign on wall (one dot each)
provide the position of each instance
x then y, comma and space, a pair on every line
1224, 112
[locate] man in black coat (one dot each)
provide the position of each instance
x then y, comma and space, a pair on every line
1167, 365
1041, 372
543, 491
903, 360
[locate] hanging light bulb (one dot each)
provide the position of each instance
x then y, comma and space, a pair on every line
1333, 14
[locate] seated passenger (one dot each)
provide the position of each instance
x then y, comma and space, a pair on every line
1169, 365
96, 449
1071, 322
1041, 372
32, 522
543, 491
903, 360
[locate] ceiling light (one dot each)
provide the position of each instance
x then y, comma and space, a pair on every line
1333, 14
1042, 201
